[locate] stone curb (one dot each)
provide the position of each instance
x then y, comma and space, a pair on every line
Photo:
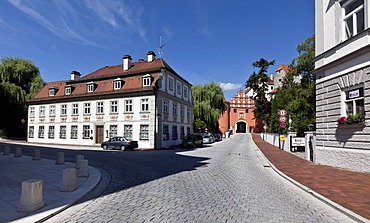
266, 163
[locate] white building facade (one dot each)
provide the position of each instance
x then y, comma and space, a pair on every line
342, 69
145, 101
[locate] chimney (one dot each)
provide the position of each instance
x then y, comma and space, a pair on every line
126, 62
271, 76
75, 75
151, 56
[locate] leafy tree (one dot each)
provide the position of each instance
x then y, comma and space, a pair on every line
258, 83
208, 106
298, 99
19, 80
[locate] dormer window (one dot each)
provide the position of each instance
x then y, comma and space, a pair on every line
52, 92
147, 80
68, 90
90, 87
117, 84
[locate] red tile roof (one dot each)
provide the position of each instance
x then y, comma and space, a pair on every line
103, 81
284, 67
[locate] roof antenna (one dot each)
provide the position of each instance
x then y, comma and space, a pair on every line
160, 46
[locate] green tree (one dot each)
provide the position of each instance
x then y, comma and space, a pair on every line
19, 80
208, 106
298, 99
258, 82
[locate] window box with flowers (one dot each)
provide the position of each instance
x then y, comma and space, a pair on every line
351, 119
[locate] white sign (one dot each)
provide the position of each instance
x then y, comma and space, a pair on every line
354, 94
298, 141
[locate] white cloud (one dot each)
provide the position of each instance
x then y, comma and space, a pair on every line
229, 86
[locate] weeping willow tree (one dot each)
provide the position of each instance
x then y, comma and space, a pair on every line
19, 80
208, 106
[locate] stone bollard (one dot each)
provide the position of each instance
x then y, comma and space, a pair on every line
31, 196
18, 152
36, 154
69, 183
6, 151
60, 158
78, 160
83, 169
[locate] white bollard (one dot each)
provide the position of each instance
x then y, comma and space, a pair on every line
69, 183
83, 169
78, 160
60, 158
36, 155
31, 196
6, 151
18, 152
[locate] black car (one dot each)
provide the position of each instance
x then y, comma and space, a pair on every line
192, 140
119, 142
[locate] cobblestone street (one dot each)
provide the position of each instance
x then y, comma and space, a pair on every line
224, 182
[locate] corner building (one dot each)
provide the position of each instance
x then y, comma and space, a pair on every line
342, 69
146, 101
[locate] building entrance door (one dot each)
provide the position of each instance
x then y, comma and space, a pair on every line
99, 134
241, 127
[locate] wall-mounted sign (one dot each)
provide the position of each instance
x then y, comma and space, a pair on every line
298, 141
354, 93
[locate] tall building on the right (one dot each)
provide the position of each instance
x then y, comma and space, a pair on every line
342, 69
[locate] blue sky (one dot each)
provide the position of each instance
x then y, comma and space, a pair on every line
205, 40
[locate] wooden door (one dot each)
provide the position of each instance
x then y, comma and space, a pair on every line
99, 134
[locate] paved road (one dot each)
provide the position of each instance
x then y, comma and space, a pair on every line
224, 182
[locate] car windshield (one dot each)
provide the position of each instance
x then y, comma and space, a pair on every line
206, 136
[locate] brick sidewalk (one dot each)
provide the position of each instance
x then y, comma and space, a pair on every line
348, 188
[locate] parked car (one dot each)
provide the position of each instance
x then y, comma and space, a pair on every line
207, 139
119, 142
218, 137
192, 140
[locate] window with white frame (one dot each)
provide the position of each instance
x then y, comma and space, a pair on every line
146, 81
127, 132
32, 111
63, 132
182, 132
144, 132
354, 102
117, 84
178, 88
170, 84
185, 92
90, 88
51, 132
41, 132
174, 108
113, 130
166, 133
99, 107
114, 107
52, 110
353, 17
174, 132
31, 131
42, 111
74, 109
51, 92
182, 112
87, 108
68, 90
128, 105
165, 106
63, 109
86, 131
74, 131
145, 104
188, 113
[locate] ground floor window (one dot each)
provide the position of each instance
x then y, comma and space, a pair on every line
74, 131
166, 133
113, 129
41, 132
354, 105
31, 132
127, 132
144, 132
174, 132
182, 132
63, 132
51, 132
86, 131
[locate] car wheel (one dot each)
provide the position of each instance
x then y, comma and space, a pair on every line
123, 148
105, 147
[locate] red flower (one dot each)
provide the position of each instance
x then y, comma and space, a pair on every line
341, 120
